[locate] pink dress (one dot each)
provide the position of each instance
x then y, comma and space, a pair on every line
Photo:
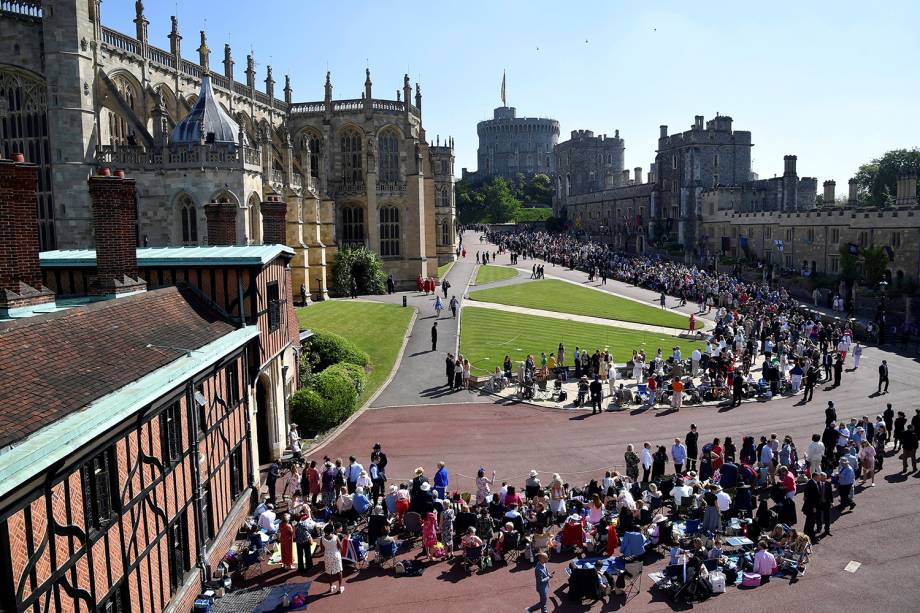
429, 531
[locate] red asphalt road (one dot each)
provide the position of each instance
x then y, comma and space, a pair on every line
881, 533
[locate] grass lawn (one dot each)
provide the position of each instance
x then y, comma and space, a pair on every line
487, 335
563, 297
489, 273
443, 269
376, 328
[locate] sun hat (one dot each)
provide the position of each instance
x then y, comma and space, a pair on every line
425, 486
533, 473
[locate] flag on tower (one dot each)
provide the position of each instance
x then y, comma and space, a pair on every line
504, 103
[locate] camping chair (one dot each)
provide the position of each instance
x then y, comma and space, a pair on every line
386, 552
472, 556
584, 583
692, 527
632, 545
642, 392
542, 393
511, 547
462, 522
412, 522
557, 389
633, 575
573, 534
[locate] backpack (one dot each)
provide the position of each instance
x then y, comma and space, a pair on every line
409, 568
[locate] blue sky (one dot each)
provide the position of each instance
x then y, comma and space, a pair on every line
834, 82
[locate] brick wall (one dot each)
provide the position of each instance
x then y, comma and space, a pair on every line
114, 220
20, 274
221, 221
274, 219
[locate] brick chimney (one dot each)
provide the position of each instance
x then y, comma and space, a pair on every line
906, 193
638, 172
852, 196
20, 275
115, 223
221, 221
829, 192
274, 220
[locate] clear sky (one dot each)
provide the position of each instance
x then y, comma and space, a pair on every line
834, 82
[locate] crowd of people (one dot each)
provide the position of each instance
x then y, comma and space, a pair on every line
754, 324
748, 486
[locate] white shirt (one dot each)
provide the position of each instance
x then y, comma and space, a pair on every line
646, 458
294, 441
680, 492
696, 356
815, 452
267, 520
612, 373
724, 501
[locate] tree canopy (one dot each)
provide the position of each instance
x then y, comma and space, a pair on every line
877, 180
500, 201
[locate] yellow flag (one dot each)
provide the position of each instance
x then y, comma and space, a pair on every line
504, 103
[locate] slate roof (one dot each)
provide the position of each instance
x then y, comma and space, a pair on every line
208, 118
52, 365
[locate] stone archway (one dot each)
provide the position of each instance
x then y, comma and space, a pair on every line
264, 419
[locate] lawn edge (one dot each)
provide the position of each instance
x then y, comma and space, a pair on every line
331, 435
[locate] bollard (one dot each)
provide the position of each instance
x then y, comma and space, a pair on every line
405, 303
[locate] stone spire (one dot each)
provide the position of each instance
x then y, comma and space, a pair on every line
269, 83
228, 63
407, 92
204, 54
328, 97
175, 39
287, 89
250, 71
141, 22
418, 97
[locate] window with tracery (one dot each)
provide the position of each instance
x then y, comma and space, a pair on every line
188, 221
389, 231
24, 129
352, 166
352, 226
389, 157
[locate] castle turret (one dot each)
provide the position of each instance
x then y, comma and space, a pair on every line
638, 175
852, 195
906, 194
790, 183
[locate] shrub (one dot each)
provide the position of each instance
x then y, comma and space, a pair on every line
328, 348
311, 412
350, 372
337, 389
362, 264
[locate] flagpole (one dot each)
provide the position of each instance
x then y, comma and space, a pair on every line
504, 102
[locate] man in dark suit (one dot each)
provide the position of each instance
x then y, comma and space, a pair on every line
810, 504
597, 393
434, 337
824, 501
692, 443
883, 376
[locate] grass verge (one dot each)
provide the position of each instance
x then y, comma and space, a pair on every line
490, 274
563, 297
487, 335
377, 328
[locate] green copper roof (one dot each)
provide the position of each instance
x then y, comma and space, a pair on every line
254, 255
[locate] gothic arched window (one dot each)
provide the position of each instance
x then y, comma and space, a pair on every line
389, 157
188, 221
389, 231
316, 144
443, 198
352, 226
24, 129
352, 166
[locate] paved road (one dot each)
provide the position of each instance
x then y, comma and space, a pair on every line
420, 377
512, 439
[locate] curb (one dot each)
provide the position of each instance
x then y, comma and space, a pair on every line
466, 296
328, 437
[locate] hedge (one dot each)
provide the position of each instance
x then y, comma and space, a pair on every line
328, 348
331, 398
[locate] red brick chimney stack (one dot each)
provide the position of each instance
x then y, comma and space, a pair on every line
20, 273
274, 220
221, 221
115, 219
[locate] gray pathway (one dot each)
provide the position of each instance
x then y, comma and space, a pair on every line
420, 377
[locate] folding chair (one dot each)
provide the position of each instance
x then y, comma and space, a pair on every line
511, 547
387, 552
542, 393
557, 389
692, 527
472, 556
412, 522
633, 574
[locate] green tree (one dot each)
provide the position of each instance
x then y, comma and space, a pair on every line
470, 207
500, 204
875, 263
877, 180
848, 261
539, 190
362, 264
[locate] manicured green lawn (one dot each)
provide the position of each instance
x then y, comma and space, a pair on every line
489, 273
563, 297
443, 269
376, 328
487, 335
